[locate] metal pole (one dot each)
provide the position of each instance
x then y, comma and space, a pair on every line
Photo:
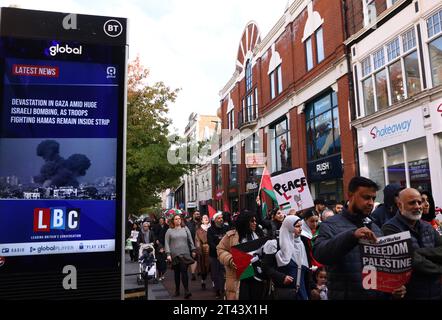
146, 281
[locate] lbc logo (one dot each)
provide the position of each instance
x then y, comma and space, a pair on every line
59, 218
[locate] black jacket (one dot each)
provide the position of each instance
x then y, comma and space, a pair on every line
140, 238
269, 225
338, 249
192, 225
422, 285
388, 209
160, 233
214, 236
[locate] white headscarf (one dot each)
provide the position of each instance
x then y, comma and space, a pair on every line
291, 248
205, 226
306, 231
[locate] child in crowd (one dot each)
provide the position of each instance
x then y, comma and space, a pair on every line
320, 291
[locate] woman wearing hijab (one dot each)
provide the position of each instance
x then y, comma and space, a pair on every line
286, 262
429, 209
308, 234
202, 246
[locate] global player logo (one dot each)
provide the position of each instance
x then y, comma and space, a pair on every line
111, 72
56, 218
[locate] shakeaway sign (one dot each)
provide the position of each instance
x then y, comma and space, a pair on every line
386, 263
291, 190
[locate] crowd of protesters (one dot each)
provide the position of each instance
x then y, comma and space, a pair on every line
309, 255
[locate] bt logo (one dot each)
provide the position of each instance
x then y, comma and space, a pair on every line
57, 218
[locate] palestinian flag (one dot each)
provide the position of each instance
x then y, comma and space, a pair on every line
212, 211
264, 209
171, 212
266, 185
242, 257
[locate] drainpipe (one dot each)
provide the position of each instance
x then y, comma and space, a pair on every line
351, 87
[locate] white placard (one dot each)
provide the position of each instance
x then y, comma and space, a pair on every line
292, 191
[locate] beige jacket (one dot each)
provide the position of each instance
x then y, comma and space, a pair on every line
225, 257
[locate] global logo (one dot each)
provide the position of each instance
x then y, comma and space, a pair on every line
389, 130
54, 50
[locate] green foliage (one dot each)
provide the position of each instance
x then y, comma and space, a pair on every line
148, 171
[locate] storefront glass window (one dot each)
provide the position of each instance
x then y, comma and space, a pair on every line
435, 48
323, 138
281, 145
381, 89
310, 139
376, 171
396, 82
233, 166
395, 165
337, 133
367, 87
440, 144
418, 165
412, 73
330, 190
322, 105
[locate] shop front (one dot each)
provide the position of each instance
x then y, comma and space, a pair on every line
218, 203
233, 197
325, 178
396, 150
324, 163
248, 199
436, 140
203, 206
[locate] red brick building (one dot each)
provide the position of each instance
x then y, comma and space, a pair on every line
289, 98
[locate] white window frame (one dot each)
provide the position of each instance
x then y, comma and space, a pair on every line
322, 45
279, 77
427, 40
231, 119
309, 54
368, 19
275, 78
373, 71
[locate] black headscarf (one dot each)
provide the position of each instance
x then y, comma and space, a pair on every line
432, 213
242, 225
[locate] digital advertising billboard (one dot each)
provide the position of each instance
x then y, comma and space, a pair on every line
61, 153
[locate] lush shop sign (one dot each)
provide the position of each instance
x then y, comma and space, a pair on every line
325, 169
